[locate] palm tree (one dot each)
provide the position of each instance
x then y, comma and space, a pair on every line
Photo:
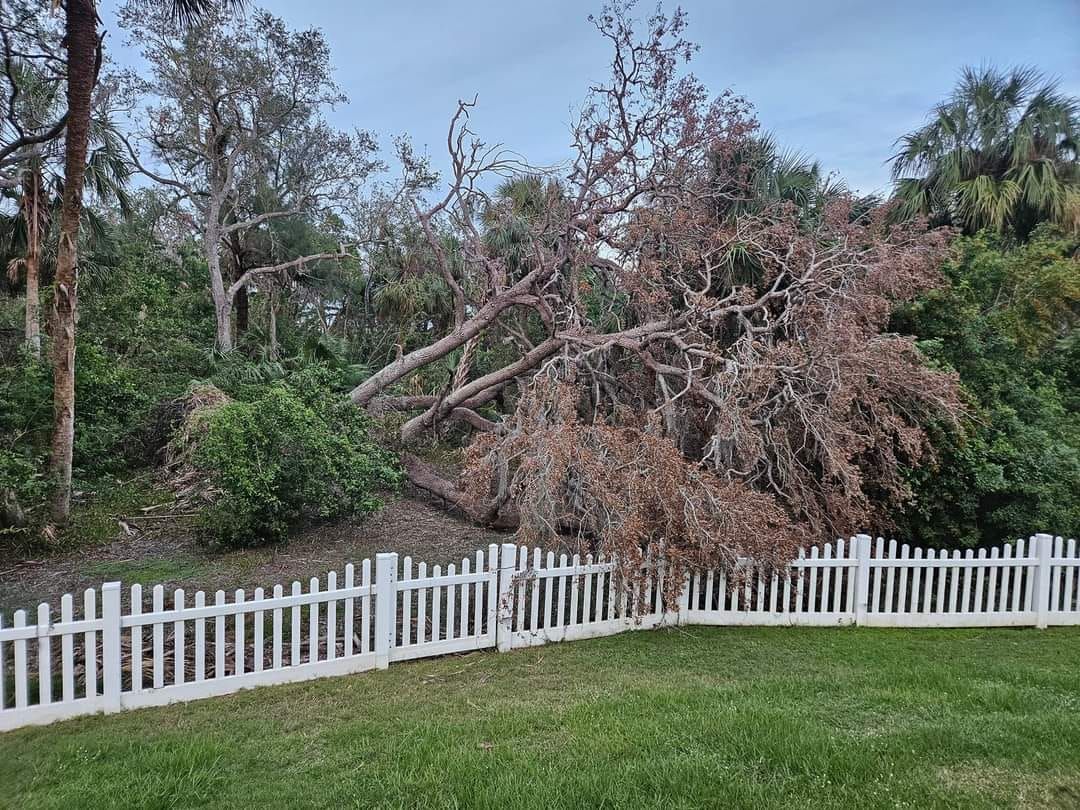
83, 63
1000, 153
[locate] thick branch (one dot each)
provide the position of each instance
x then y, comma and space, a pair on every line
425, 477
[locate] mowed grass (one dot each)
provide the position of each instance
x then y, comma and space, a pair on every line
700, 717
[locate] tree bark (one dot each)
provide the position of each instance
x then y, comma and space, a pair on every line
81, 37
32, 213
425, 477
222, 300
406, 364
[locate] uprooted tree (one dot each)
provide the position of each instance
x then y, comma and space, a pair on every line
687, 380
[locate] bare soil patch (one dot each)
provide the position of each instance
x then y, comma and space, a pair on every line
167, 552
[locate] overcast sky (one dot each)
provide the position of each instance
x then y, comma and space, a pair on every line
839, 80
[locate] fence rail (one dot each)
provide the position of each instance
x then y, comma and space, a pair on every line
105, 658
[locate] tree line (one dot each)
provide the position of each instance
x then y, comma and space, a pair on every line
684, 339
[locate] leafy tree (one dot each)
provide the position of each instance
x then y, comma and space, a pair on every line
1007, 323
235, 106
999, 153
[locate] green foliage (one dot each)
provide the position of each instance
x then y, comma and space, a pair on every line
999, 153
297, 450
25, 415
1007, 323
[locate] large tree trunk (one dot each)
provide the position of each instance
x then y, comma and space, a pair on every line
427, 478
32, 213
81, 74
33, 305
218, 292
408, 363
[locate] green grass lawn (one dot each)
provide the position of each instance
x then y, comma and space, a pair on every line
687, 718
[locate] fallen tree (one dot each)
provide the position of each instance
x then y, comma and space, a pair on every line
690, 382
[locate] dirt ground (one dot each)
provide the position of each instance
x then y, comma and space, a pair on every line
150, 550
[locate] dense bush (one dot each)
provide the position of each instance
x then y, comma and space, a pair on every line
295, 451
1007, 322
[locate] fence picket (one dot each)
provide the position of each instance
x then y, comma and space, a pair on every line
1070, 601
1006, 573
258, 648
534, 602
239, 643
916, 574
178, 638
406, 603
965, 593
67, 653
331, 616
19, 672
219, 632
277, 641
348, 628
365, 607
421, 605
879, 553
576, 563
44, 657
436, 606
521, 580
294, 630
478, 599
200, 639
90, 644
1029, 576
980, 581
136, 640
901, 597
463, 610
313, 623
159, 638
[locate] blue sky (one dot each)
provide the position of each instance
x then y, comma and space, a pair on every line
836, 79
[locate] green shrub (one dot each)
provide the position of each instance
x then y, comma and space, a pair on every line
286, 456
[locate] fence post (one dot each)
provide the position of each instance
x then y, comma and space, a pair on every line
385, 607
507, 568
1044, 544
110, 646
862, 577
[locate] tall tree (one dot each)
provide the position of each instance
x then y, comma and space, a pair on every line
80, 68
236, 103
31, 125
1001, 152
83, 62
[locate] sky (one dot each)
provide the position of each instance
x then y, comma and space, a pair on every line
835, 79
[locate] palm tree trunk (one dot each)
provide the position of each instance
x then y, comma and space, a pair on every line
33, 306
32, 212
81, 36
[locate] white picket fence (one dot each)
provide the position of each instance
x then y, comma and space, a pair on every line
114, 656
